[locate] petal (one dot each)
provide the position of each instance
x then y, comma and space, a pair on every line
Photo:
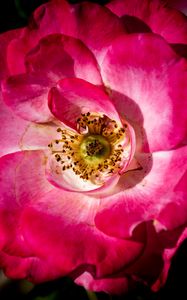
175, 212
144, 198
55, 228
18, 134
15, 267
31, 268
54, 58
74, 96
62, 225
146, 268
149, 264
74, 20
5, 39
62, 56
163, 20
148, 83
67, 180
11, 130
24, 172
113, 286
87, 15
18, 186
26, 95
147, 16
38, 136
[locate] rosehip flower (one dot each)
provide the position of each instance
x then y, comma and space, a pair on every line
93, 144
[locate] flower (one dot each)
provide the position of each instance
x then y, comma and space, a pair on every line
93, 152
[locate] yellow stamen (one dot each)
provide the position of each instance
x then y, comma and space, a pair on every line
95, 151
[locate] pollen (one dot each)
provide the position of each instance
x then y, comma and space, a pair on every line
95, 151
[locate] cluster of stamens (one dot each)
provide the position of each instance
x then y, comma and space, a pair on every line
94, 152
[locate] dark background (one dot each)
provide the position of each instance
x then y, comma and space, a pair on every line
14, 14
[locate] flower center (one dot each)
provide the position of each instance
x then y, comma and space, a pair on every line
96, 151
95, 148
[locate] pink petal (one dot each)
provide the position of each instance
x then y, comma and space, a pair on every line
113, 286
149, 264
146, 268
54, 58
26, 95
148, 83
86, 16
31, 268
22, 180
29, 177
74, 20
5, 39
18, 134
15, 267
162, 20
67, 180
142, 197
11, 130
38, 136
74, 96
81, 244
30, 205
62, 56
175, 212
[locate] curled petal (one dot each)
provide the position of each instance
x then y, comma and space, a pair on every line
54, 58
73, 96
63, 56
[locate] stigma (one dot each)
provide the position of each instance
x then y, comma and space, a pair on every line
98, 149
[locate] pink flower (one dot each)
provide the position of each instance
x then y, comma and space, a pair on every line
93, 144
